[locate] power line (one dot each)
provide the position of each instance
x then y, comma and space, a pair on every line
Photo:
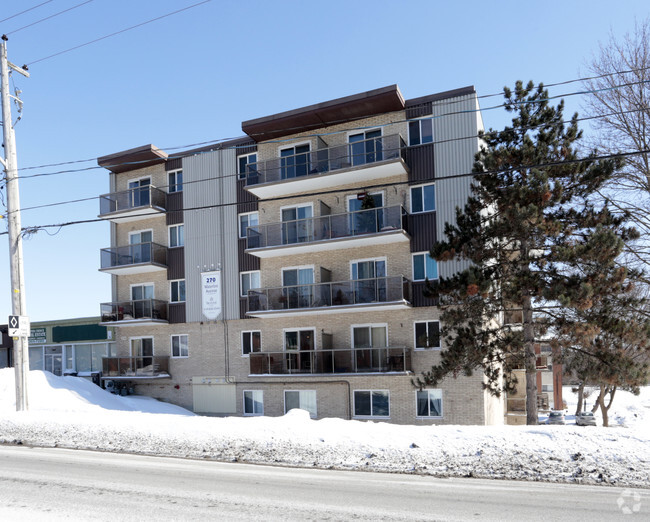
33, 229
25, 11
49, 17
118, 32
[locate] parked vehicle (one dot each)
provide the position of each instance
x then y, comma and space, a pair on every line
556, 417
585, 418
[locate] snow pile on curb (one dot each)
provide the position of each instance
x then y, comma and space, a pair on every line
73, 413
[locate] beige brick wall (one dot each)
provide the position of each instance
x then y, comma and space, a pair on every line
157, 174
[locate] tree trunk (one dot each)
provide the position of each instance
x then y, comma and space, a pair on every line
604, 410
530, 363
581, 397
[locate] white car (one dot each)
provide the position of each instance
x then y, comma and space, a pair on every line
585, 418
556, 417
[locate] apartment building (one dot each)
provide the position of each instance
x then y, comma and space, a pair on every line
286, 269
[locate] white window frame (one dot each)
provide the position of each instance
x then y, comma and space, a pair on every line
260, 395
134, 232
171, 291
171, 346
309, 204
241, 281
242, 233
169, 185
149, 283
362, 131
241, 341
300, 392
169, 234
442, 405
242, 175
415, 336
422, 185
370, 416
129, 181
153, 345
298, 329
384, 259
299, 267
419, 120
286, 146
349, 197
426, 276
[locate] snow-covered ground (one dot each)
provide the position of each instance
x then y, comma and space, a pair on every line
72, 412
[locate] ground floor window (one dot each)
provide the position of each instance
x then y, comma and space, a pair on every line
253, 402
180, 346
302, 399
429, 403
81, 358
371, 403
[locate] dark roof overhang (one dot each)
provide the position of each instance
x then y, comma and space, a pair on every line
341, 110
133, 159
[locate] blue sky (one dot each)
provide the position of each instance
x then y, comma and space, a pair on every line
195, 76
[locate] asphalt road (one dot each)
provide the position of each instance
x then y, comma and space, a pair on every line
57, 484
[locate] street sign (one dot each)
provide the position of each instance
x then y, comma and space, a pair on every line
18, 326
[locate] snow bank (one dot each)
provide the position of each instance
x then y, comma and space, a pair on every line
73, 413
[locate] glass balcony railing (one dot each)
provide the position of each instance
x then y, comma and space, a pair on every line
132, 199
135, 254
327, 159
142, 366
140, 309
321, 295
355, 360
347, 225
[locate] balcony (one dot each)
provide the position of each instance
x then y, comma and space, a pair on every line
133, 204
328, 167
375, 226
134, 368
138, 258
325, 362
360, 295
134, 313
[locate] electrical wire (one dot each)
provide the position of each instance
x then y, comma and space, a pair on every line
48, 17
35, 228
117, 32
25, 11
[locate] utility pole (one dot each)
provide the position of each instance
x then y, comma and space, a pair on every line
21, 359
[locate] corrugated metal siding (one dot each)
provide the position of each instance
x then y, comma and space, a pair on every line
174, 208
176, 263
211, 233
247, 262
422, 228
419, 110
174, 164
422, 163
176, 313
417, 295
453, 157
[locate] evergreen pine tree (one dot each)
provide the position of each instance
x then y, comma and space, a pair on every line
538, 246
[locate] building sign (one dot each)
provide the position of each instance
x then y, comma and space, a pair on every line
211, 293
38, 336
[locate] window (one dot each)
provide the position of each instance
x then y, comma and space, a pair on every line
423, 198
369, 280
139, 192
427, 334
371, 403
251, 342
175, 181
368, 220
253, 402
176, 236
428, 403
141, 346
245, 164
249, 281
365, 147
294, 161
298, 287
142, 304
249, 219
424, 267
299, 345
177, 291
140, 246
369, 343
297, 227
302, 399
180, 346
421, 131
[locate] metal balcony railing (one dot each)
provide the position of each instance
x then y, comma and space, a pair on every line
131, 199
355, 360
135, 254
153, 309
327, 159
320, 295
141, 366
349, 224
